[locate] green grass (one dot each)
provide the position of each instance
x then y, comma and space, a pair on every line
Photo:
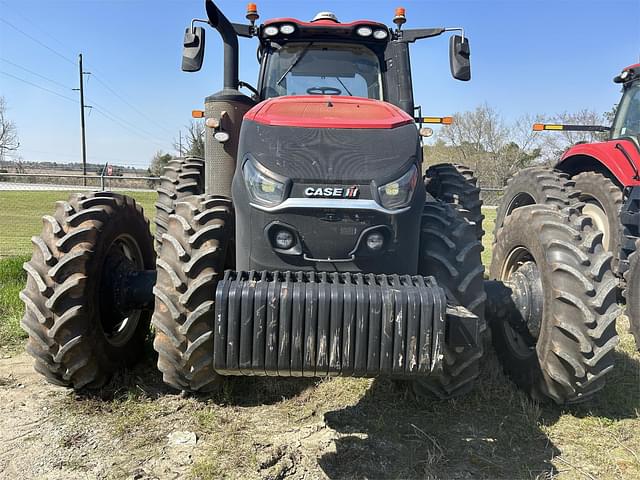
487, 239
12, 279
22, 212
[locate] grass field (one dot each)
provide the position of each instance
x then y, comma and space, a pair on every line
20, 217
345, 428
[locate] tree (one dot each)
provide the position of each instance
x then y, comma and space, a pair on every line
556, 143
193, 141
485, 142
159, 161
8, 132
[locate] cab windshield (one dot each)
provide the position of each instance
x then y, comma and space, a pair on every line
627, 121
314, 68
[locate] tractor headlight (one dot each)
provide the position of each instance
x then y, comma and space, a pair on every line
397, 194
262, 188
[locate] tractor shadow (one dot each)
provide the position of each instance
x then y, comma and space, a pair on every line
495, 432
146, 380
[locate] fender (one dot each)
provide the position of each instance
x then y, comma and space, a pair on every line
603, 155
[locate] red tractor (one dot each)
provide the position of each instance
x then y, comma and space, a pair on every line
606, 177
305, 244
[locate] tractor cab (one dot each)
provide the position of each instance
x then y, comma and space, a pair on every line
324, 56
627, 121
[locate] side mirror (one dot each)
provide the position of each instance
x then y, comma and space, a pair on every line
193, 51
459, 54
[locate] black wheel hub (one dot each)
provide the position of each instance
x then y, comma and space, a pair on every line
516, 302
526, 287
125, 289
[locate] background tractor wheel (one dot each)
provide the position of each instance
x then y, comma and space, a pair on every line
632, 293
603, 202
458, 186
535, 186
450, 252
556, 337
190, 264
181, 178
76, 334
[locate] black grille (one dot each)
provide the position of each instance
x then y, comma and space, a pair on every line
318, 324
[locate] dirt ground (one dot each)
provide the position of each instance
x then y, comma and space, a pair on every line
302, 429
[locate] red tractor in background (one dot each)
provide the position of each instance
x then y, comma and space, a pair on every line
606, 177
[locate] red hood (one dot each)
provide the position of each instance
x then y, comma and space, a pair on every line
326, 111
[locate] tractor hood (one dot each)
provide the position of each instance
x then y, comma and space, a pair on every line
330, 139
328, 111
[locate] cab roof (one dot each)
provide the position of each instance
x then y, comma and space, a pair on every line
324, 29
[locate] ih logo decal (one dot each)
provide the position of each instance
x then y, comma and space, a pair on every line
332, 192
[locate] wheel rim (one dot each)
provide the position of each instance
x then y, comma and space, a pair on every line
118, 327
522, 324
522, 199
593, 209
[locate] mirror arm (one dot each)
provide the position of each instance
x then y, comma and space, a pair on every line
243, 30
413, 34
456, 29
197, 20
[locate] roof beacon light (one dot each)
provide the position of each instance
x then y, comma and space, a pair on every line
252, 13
326, 16
399, 19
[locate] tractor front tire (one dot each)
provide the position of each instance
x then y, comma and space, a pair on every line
457, 185
535, 186
603, 202
190, 264
450, 252
632, 293
555, 260
76, 336
182, 177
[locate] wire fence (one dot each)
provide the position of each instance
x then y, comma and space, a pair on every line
26, 197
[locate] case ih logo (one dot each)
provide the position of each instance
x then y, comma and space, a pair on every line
332, 192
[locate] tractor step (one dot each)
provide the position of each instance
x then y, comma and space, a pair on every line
314, 324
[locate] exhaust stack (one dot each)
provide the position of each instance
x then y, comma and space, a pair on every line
230, 39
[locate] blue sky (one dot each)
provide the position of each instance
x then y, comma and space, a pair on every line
534, 56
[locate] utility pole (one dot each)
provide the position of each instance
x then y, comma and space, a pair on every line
82, 127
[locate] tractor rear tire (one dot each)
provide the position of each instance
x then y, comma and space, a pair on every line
565, 352
632, 293
450, 252
181, 178
603, 202
190, 264
535, 186
457, 186
75, 335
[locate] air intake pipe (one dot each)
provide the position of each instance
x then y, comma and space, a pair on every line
230, 39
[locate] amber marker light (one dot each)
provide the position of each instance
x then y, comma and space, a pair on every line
197, 113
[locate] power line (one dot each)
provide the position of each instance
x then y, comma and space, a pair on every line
130, 125
35, 73
31, 23
98, 79
64, 57
127, 127
39, 86
129, 104
131, 128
